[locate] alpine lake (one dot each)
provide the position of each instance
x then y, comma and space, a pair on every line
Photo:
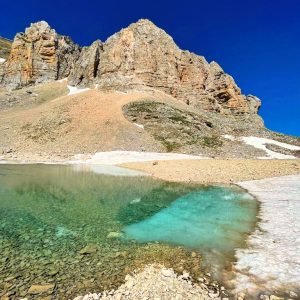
79, 231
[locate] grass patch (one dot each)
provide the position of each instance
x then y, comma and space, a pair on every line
170, 146
211, 141
143, 106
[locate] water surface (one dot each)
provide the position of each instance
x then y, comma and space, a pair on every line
84, 231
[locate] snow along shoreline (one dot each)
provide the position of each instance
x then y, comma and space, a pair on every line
260, 143
272, 258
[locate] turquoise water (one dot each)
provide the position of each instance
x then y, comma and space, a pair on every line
214, 217
84, 231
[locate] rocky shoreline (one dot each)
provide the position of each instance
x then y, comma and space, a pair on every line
156, 282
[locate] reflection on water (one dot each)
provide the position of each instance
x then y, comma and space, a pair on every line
81, 230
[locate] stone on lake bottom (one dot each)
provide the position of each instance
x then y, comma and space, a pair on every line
39, 289
89, 249
114, 235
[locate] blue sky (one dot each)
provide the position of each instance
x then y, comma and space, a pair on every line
257, 41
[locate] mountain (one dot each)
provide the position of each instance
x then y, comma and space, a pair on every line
38, 55
182, 102
141, 56
5, 46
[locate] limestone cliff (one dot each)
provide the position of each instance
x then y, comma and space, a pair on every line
144, 56
5, 46
140, 57
39, 55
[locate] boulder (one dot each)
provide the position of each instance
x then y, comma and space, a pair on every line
41, 289
89, 249
114, 235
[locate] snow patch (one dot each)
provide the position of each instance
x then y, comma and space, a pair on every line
273, 255
229, 137
2, 60
62, 80
260, 143
139, 125
119, 157
75, 90
107, 170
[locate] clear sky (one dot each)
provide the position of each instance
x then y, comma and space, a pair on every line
256, 41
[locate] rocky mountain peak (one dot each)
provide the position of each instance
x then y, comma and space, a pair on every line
140, 57
38, 28
39, 55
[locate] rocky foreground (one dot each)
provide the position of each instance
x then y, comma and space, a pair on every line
159, 283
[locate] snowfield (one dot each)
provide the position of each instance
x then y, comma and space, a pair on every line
119, 157
260, 143
75, 90
272, 257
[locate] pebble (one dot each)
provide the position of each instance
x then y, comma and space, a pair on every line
166, 272
293, 294
39, 289
273, 297
114, 235
89, 249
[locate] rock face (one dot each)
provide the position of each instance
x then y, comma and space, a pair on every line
144, 56
5, 46
39, 55
85, 70
141, 56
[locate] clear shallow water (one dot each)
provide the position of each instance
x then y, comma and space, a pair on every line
214, 217
48, 214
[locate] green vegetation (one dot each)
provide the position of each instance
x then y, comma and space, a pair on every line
211, 141
143, 106
172, 127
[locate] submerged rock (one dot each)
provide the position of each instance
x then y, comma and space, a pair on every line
40, 289
89, 249
114, 235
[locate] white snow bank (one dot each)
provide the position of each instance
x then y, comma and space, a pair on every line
273, 255
229, 137
260, 143
139, 125
108, 170
119, 157
75, 90
2, 60
62, 80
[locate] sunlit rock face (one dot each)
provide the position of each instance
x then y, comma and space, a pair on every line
144, 56
39, 55
139, 57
